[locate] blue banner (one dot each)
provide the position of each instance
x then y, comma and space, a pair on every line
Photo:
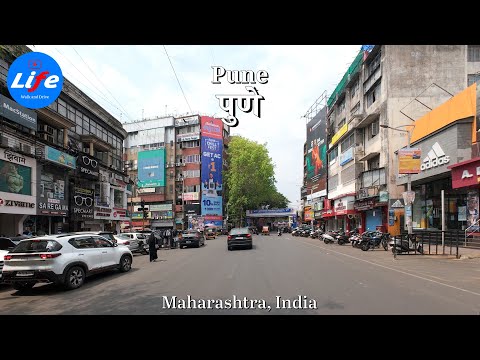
212, 182
151, 168
59, 157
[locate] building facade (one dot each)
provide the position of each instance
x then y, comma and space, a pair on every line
386, 85
67, 159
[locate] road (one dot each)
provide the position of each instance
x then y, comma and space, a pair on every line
328, 279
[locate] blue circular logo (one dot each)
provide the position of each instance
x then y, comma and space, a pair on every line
35, 80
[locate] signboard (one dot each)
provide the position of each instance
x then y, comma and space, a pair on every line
114, 214
160, 207
189, 120
466, 174
87, 167
15, 178
81, 203
316, 158
17, 113
383, 196
346, 156
409, 161
211, 172
191, 196
192, 209
215, 220
151, 168
462, 213
51, 194
188, 137
145, 190
59, 157
343, 130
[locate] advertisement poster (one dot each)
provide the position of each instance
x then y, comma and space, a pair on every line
151, 168
82, 204
472, 208
15, 178
409, 161
462, 213
317, 151
59, 157
211, 172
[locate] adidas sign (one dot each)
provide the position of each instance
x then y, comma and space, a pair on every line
435, 157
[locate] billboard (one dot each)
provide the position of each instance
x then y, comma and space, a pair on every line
409, 161
15, 178
317, 151
59, 157
212, 161
151, 168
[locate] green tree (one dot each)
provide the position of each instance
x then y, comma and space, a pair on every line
250, 178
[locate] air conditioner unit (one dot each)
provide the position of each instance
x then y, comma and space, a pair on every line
178, 164
46, 129
4, 141
48, 138
26, 148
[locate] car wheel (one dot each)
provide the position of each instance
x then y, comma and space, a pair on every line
125, 263
250, 247
230, 248
75, 278
23, 286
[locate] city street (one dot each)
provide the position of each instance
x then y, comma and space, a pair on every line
328, 279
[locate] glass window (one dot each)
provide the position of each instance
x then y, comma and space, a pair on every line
33, 246
374, 94
349, 141
84, 242
117, 198
473, 53
332, 155
101, 242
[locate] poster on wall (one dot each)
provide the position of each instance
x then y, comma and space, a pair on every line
472, 208
15, 178
462, 213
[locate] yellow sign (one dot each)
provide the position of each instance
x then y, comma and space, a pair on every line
338, 135
409, 161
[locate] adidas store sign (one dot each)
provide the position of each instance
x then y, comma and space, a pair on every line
435, 157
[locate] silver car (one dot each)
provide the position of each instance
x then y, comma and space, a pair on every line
136, 242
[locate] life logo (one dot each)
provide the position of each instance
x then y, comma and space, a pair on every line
35, 80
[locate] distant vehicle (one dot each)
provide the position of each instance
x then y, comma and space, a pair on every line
265, 230
132, 242
66, 260
5, 246
239, 237
191, 238
210, 233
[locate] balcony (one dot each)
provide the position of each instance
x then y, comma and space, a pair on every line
369, 182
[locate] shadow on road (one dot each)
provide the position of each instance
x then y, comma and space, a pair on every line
53, 289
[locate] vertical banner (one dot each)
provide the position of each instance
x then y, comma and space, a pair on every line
317, 151
211, 172
472, 208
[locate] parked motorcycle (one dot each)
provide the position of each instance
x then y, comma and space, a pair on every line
329, 237
407, 244
279, 232
343, 238
375, 239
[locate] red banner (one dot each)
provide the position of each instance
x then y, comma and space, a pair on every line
465, 174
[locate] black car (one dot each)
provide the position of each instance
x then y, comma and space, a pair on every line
191, 238
240, 237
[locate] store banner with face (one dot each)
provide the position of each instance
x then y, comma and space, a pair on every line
472, 208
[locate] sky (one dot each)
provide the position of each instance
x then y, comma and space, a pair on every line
133, 82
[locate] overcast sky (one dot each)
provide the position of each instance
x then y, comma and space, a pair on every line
131, 81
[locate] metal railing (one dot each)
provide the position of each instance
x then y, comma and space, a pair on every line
474, 225
429, 243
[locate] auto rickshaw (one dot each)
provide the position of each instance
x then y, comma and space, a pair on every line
265, 230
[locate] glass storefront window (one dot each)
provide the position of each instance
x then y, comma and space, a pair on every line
118, 198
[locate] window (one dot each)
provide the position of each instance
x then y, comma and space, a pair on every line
349, 141
374, 94
341, 123
373, 65
374, 163
354, 89
473, 53
332, 156
191, 159
62, 107
473, 78
374, 128
355, 109
100, 242
117, 198
341, 106
84, 242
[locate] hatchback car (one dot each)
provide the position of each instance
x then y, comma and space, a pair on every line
134, 243
239, 237
209, 233
191, 238
65, 259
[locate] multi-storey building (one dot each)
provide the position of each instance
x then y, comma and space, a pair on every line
67, 159
163, 157
389, 85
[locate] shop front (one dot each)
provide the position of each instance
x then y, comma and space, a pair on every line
438, 153
162, 216
344, 213
466, 179
18, 192
372, 212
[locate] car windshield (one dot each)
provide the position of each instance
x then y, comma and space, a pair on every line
238, 231
37, 245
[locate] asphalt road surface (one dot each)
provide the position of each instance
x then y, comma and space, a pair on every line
280, 275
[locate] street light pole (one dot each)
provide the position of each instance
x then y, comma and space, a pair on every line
408, 203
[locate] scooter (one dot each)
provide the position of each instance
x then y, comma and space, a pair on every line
279, 232
408, 244
344, 238
329, 237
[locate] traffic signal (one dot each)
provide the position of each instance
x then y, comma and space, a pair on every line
143, 204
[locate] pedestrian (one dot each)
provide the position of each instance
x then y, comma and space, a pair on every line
152, 248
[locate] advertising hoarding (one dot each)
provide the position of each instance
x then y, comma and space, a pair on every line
409, 161
317, 151
151, 168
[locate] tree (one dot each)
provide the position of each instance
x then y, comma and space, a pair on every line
250, 178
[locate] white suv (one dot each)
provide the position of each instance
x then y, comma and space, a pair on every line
65, 259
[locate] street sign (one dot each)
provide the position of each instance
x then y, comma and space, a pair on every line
408, 211
397, 205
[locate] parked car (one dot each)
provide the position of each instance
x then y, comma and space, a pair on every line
106, 234
239, 237
5, 246
136, 242
191, 238
65, 259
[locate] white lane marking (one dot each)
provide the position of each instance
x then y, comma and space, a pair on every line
234, 268
393, 269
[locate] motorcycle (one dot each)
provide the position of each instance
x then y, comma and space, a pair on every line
329, 237
279, 232
375, 239
407, 244
344, 238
